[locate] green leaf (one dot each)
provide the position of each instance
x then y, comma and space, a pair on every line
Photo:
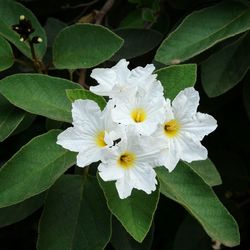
75, 94
75, 216
12, 214
121, 240
33, 169
52, 27
202, 29
207, 171
133, 20
246, 95
25, 123
10, 118
6, 55
10, 12
84, 46
137, 42
176, 78
191, 236
188, 189
135, 212
224, 69
39, 94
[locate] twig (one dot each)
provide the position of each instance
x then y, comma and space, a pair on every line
82, 78
103, 11
79, 5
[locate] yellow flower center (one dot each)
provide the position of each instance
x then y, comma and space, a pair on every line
171, 128
138, 115
99, 139
126, 160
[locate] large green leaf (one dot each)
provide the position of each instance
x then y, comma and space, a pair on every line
246, 95
191, 236
17, 212
39, 94
10, 12
121, 240
75, 216
202, 29
84, 46
6, 55
33, 169
176, 77
224, 69
137, 42
187, 188
10, 118
75, 94
135, 212
207, 171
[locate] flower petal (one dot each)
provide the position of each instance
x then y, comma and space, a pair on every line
189, 149
143, 178
88, 156
110, 172
86, 113
200, 125
124, 188
71, 139
186, 103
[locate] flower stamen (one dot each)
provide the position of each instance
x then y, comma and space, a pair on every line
138, 115
100, 139
127, 160
171, 128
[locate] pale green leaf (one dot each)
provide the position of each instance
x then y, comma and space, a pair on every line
75, 94
207, 171
33, 169
135, 212
224, 69
185, 187
176, 78
10, 12
202, 29
39, 94
6, 55
10, 118
75, 216
84, 46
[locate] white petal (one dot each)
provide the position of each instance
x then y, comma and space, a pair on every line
142, 72
144, 178
169, 158
121, 114
88, 156
145, 128
110, 172
200, 125
71, 139
189, 149
122, 71
185, 103
85, 113
106, 79
124, 188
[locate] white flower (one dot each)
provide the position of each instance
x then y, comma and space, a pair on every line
92, 131
182, 129
119, 82
141, 113
130, 165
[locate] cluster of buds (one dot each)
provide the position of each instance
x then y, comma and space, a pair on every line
24, 29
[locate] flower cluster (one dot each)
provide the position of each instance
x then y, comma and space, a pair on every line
138, 130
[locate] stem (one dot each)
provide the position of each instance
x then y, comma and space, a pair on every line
82, 78
103, 11
39, 66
